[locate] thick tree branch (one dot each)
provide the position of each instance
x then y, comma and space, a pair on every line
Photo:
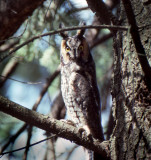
54, 126
124, 28
137, 40
102, 11
13, 14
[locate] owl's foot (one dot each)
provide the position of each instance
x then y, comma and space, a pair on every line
86, 130
69, 122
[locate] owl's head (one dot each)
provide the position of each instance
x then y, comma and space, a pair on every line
74, 49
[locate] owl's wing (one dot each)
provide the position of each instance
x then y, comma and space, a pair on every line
93, 83
95, 98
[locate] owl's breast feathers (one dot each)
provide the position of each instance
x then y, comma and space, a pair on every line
79, 86
81, 98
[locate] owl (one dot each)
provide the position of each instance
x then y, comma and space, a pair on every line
78, 84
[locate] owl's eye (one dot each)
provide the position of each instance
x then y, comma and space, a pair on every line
67, 49
80, 48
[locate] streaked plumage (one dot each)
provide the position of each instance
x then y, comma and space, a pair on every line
78, 84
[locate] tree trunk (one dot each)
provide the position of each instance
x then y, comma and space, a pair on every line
13, 14
131, 137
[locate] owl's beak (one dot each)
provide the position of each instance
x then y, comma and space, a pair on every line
76, 54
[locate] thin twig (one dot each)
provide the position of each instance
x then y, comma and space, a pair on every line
33, 83
123, 28
45, 88
8, 70
101, 40
28, 142
13, 138
33, 144
78, 10
7, 46
47, 10
71, 151
23, 30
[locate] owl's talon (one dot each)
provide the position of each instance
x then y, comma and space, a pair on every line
81, 130
86, 130
90, 136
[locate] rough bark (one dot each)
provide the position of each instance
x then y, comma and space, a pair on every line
13, 14
101, 11
54, 126
131, 138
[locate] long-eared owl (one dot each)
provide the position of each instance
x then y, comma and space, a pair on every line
78, 84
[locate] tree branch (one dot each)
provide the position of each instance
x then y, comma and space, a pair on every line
8, 70
45, 88
28, 142
6, 47
14, 14
42, 93
101, 40
13, 138
102, 11
33, 144
123, 28
54, 126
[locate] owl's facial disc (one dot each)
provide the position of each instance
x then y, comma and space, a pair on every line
74, 49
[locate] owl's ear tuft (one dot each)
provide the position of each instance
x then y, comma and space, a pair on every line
81, 32
64, 35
